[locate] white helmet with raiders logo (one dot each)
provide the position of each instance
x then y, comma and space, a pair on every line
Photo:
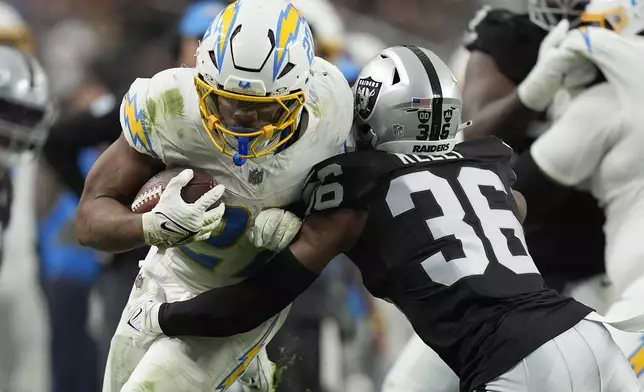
254, 70
408, 101
548, 13
26, 110
624, 17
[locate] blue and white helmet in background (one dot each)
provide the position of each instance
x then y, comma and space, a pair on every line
198, 17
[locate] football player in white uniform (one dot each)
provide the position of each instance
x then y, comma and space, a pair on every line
258, 112
598, 141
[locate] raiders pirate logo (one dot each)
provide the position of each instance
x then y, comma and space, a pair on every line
367, 91
398, 131
447, 115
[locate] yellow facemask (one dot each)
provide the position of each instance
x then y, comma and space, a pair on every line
19, 38
613, 19
251, 143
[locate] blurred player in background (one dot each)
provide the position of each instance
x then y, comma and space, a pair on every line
26, 112
598, 140
567, 243
258, 112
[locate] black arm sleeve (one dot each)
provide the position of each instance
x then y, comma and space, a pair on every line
73, 133
239, 308
542, 194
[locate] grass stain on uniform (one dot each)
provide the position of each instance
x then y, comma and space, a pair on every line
173, 103
169, 105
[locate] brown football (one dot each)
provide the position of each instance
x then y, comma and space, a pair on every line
151, 191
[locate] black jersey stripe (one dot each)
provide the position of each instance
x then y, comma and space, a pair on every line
437, 90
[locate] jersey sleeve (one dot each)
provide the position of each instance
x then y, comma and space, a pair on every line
490, 150
571, 150
511, 40
345, 180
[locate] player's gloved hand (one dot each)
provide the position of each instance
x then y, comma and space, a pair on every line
274, 229
556, 67
174, 222
143, 317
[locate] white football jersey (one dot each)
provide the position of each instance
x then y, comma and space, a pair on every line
599, 139
160, 117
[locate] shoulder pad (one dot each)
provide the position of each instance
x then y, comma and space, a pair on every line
485, 149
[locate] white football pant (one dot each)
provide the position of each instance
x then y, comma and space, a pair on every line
632, 344
186, 364
582, 359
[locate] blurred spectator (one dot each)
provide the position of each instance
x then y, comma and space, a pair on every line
193, 25
68, 273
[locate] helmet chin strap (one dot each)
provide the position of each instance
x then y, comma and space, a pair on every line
242, 149
242, 145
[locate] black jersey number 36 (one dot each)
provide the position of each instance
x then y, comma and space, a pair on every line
493, 223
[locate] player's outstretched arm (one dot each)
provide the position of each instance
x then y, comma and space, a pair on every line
242, 307
491, 101
103, 219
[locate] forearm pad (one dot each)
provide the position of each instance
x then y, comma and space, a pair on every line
242, 307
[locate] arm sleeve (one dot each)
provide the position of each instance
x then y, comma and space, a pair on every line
239, 308
571, 150
71, 135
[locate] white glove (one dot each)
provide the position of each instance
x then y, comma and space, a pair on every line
274, 229
556, 67
174, 222
143, 317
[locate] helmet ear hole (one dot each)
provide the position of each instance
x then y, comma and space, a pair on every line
211, 54
396, 79
287, 69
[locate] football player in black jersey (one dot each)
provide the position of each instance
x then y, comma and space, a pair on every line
434, 227
508, 94
26, 113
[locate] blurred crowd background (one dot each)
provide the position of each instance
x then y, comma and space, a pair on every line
59, 303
